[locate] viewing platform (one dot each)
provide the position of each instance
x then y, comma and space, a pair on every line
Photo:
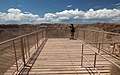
46, 53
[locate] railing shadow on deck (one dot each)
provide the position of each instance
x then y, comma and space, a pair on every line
31, 61
97, 54
15, 53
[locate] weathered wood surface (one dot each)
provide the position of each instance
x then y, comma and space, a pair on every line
63, 56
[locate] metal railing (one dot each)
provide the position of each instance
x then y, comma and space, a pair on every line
97, 36
95, 52
91, 36
108, 41
100, 42
15, 53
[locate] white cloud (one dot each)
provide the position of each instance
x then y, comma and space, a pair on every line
14, 11
117, 4
102, 14
16, 16
69, 6
66, 16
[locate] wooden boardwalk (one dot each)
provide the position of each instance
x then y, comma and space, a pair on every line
62, 57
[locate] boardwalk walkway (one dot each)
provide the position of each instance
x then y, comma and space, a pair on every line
46, 52
61, 57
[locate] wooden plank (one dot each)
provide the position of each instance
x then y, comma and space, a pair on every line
62, 57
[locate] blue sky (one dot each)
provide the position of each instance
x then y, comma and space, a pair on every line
59, 11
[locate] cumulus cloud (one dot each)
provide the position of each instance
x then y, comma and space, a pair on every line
12, 10
69, 6
66, 16
16, 16
101, 15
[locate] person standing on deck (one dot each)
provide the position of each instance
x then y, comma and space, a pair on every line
72, 31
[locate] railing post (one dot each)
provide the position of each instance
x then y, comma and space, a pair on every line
15, 54
84, 35
96, 38
42, 36
95, 60
61, 30
97, 34
82, 55
77, 33
113, 48
22, 50
93, 36
102, 39
46, 33
28, 46
25, 48
99, 45
37, 39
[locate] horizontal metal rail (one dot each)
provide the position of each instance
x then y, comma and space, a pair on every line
99, 31
103, 57
103, 43
108, 42
112, 45
21, 36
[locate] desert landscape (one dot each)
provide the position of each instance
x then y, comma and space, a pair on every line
9, 31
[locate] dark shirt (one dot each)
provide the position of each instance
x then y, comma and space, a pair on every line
72, 29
